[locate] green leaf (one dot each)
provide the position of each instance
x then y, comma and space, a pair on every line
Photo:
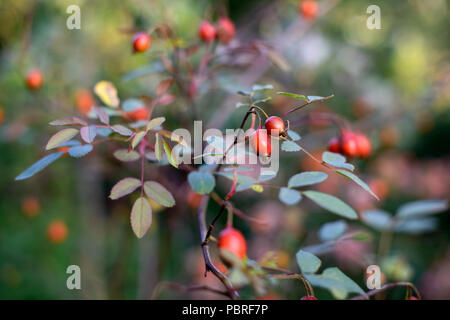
80, 151
290, 146
156, 122
240, 104
125, 156
293, 95
122, 130
106, 91
332, 204
141, 217
201, 182
137, 139
421, 208
159, 149
336, 160
417, 225
306, 179
356, 179
314, 98
159, 193
289, 196
60, 137
124, 187
168, 151
334, 280
293, 135
307, 262
39, 165
240, 178
378, 219
258, 87
332, 230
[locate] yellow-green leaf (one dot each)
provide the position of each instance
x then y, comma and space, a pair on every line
124, 187
159, 149
137, 138
61, 137
156, 122
159, 193
168, 151
106, 91
141, 217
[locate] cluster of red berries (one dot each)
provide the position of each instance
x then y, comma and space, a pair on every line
260, 140
351, 144
224, 31
309, 9
232, 240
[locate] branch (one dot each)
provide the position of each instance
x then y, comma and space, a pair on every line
388, 286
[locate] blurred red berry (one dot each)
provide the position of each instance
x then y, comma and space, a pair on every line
309, 9
232, 240
207, 32
141, 42
274, 125
261, 142
57, 231
225, 30
334, 145
349, 145
34, 79
364, 145
31, 206
138, 114
84, 101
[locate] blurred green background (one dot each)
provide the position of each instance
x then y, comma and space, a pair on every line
392, 83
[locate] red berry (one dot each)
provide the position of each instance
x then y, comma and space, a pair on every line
364, 145
225, 30
412, 298
261, 142
138, 114
57, 231
233, 241
334, 145
349, 144
274, 125
207, 32
308, 297
309, 9
141, 42
34, 79
84, 101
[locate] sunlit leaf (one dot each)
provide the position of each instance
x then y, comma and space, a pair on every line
159, 148
106, 91
156, 122
39, 165
159, 193
124, 187
358, 181
168, 151
60, 137
68, 121
80, 151
306, 179
201, 182
307, 262
293, 95
122, 130
125, 156
141, 217
289, 196
332, 204
314, 98
138, 138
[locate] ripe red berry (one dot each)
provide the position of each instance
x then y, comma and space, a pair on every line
364, 145
261, 142
34, 79
225, 30
207, 32
57, 231
334, 145
232, 240
309, 9
274, 125
349, 145
138, 114
141, 42
308, 297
